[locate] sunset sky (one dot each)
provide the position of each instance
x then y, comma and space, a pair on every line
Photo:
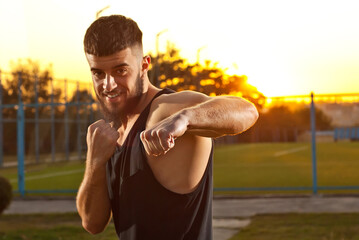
284, 47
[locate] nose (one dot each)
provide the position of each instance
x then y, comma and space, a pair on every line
109, 83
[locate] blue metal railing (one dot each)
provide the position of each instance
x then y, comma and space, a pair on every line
88, 106
20, 125
314, 148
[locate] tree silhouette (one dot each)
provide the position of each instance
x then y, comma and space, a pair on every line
176, 73
29, 72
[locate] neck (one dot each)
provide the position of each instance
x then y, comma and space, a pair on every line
131, 114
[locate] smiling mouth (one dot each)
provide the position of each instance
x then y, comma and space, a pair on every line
112, 95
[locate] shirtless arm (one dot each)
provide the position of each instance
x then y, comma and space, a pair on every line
198, 114
92, 201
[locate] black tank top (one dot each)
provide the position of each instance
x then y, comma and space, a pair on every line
142, 208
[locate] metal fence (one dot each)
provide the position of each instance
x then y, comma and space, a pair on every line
343, 112
55, 124
65, 119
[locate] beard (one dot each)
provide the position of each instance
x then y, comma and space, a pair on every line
114, 115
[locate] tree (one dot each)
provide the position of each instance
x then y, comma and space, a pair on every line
322, 121
280, 123
29, 72
176, 73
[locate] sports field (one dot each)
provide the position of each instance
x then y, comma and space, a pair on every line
307, 226
240, 166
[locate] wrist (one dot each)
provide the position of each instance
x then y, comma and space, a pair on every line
94, 174
94, 165
185, 116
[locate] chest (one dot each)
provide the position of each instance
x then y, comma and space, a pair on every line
125, 130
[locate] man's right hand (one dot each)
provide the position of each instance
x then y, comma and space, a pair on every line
101, 143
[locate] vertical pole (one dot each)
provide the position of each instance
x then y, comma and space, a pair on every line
91, 105
314, 151
52, 122
78, 121
1, 127
157, 66
37, 148
336, 134
20, 140
67, 150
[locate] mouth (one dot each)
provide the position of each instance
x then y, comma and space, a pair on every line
112, 96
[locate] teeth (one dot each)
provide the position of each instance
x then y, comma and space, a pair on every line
113, 95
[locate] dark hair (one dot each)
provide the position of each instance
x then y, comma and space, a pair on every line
110, 34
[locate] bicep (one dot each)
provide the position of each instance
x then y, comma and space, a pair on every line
169, 104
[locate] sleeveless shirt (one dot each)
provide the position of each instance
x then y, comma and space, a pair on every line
142, 208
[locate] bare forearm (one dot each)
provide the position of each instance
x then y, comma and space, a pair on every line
199, 115
92, 201
220, 116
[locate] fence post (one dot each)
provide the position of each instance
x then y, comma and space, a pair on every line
91, 106
78, 121
1, 126
52, 122
37, 147
314, 151
20, 140
67, 150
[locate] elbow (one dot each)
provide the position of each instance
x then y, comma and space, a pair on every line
254, 114
247, 118
93, 228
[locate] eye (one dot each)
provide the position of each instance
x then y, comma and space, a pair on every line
121, 71
98, 74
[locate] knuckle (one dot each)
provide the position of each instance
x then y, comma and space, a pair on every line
95, 131
154, 133
148, 134
160, 132
142, 135
90, 129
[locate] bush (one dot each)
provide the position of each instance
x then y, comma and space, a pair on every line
5, 194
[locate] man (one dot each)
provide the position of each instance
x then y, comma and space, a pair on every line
149, 163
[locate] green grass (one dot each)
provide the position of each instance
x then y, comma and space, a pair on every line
336, 226
48, 226
242, 165
258, 165
50, 176
301, 227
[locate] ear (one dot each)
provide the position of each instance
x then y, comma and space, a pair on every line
146, 61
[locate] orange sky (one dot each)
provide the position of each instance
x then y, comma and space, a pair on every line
284, 47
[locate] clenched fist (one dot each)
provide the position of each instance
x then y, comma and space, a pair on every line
160, 138
101, 142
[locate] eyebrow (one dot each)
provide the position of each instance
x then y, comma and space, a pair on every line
117, 66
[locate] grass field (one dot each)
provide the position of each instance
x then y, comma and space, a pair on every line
301, 227
263, 227
286, 164
242, 165
48, 226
